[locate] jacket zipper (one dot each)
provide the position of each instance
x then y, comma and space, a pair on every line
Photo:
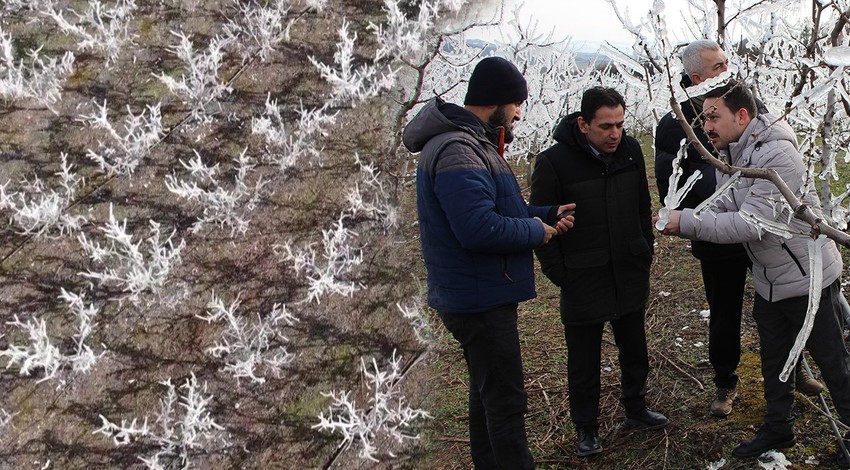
505, 268
796, 261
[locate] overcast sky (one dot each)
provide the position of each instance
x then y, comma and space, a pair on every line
592, 22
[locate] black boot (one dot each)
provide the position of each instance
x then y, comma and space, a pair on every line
765, 439
646, 419
588, 441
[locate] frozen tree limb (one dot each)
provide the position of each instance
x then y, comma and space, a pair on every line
221, 204
125, 263
37, 210
201, 84
127, 149
41, 81
177, 435
249, 346
99, 29
387, 413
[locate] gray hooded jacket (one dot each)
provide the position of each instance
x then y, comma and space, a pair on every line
780, 266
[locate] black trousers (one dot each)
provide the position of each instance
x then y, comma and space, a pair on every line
778, 324
724, 283
584, 355
497, 398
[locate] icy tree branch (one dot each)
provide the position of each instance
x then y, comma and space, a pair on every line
387, 413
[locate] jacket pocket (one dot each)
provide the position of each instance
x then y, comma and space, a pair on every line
638, 246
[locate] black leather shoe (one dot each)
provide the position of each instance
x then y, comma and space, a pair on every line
764, 440
588, 442
646, 419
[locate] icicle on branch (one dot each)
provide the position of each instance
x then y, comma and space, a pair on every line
815, 287
676, 195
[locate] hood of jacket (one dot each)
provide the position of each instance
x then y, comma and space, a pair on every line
764, 129
438, 117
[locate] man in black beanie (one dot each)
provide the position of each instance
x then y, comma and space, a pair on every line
477, 236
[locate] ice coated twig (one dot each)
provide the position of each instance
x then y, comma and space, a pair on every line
815, 287
221, 204
40, 353
99, 29
262, 27
37, 210
372, 200
177, 436
42, 80
248, 346
286, 147
125, 263
338, 259
125, 150
675, 194
387, 413
201, 84
720, 192
767, 225
83, 358
413, 312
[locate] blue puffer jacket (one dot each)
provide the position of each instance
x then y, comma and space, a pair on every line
476, 230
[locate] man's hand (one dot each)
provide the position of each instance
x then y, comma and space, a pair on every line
566, 220
672, 227
549, 231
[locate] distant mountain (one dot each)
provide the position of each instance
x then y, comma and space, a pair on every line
583, 59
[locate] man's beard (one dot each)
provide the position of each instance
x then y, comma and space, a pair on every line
499, 119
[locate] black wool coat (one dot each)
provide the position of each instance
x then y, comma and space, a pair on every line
602, 264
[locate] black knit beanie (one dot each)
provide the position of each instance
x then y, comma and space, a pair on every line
495, 81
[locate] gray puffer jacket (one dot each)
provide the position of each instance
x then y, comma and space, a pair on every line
780, 266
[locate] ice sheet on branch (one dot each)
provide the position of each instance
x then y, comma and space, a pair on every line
815, 287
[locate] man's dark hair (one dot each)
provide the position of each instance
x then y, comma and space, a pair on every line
597, 97
736, 95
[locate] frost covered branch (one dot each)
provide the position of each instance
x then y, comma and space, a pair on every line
260, 28
125, 150
815, 286
124, 262
41, 353
249, 346
177, 436
386, 415
200, 85
99, 28
223, 205
37, 210
368, 198
414, 313
41, 80
286, 147
337, 261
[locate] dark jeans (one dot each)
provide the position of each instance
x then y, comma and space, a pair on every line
497, 399
584, 355
724, 283
778, 324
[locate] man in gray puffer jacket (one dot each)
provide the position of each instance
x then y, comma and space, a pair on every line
780, 265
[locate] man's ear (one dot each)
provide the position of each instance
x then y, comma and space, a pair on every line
583, 125
743, 116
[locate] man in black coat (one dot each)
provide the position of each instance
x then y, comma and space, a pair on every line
724, 267
602, 264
